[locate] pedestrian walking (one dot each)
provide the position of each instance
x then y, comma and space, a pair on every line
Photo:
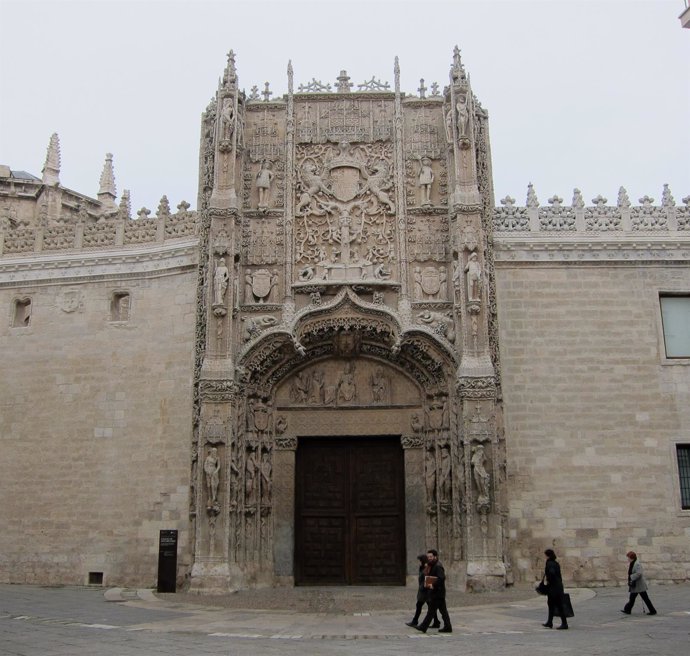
423, 594
637, 585
435, 582
554, 590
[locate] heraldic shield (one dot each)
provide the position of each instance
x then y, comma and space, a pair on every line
431, 281
261, 283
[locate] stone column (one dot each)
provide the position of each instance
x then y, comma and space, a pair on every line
415, 509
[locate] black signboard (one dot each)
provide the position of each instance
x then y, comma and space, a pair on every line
167, 561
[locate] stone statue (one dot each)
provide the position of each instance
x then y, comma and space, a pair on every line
482, 478
445, 482
212, 473
248, 284
474, 278
220, 281
379, 183
266, 478
430, 476
227, 116
426, 179
316, 388
463, 116
347, 389
379, 386
263, 183
251, 471
418, 291
300, 387
312, 184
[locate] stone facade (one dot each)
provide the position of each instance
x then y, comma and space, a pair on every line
346, 276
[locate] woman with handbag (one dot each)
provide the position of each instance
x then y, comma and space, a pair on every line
554, 590
637, 585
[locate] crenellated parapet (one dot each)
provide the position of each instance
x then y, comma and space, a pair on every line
600, 232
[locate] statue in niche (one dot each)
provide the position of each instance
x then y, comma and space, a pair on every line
463, 115
266, 478
430, 475
474, 278
445, 482
437, 414
221, 277
425, 180
347, 390
482, 478
316, 387
449, 126
380, 388
212, 473
228, 118
251, 471
263, 183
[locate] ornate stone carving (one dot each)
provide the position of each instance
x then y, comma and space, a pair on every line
441, 323
412, 442
217, 390
286, 443
255, 325
482, 479
212, 476
425, 181
473, 271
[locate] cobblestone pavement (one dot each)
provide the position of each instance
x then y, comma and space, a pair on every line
71, 621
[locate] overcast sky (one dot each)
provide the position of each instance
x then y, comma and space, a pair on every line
592, 94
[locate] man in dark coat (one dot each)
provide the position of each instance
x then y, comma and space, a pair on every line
437, 594
555, 592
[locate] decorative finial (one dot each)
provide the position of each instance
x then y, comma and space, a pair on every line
422, 89
578, 201
254, 93
125, 205
163, 207
531, 196
230, 74
291, 76
51, 169
623, 200
106, 192
457, 70
343, 83
266, 93
396, 74
667, 199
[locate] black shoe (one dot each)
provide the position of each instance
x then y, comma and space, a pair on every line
651, 612
562, 627
436, 625
627, 612
420, 628
446, 629
548, 625
412, 623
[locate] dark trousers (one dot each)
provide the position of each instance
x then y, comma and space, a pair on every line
418, 612
645, 598
436, 605
555, 604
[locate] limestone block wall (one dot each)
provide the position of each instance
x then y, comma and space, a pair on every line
95, 423
592, 416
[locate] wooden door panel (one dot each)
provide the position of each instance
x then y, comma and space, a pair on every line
349, 523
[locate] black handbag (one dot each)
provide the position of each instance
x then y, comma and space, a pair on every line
542, 588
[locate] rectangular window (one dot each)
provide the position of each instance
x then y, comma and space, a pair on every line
675, 316
683, 451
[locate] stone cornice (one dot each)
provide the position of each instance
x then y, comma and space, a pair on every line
153, 261
579, 248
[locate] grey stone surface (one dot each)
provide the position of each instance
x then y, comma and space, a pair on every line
71, 621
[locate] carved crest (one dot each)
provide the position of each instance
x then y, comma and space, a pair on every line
431, 281
345, 182
261, 283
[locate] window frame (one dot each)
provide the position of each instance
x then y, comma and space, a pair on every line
664, 358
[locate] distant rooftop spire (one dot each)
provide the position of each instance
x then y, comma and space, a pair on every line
51, 169
106, 193
230, 73
457, 70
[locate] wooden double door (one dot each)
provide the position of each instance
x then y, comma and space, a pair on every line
350, 512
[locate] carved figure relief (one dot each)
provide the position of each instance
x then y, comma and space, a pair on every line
212, 474
254, 325
430, 476
344, 231
446, 484
441, 323
482, 478
347, 389
251, 474
266, 478
474, 278
426, 179
221, 278
263, 183
380, 387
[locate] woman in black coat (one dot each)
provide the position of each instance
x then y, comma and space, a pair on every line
555, 592
422, 593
